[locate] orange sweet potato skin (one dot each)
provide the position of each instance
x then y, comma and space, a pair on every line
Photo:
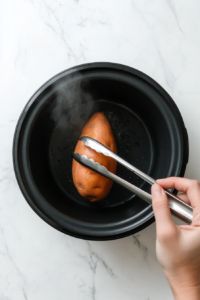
88, 183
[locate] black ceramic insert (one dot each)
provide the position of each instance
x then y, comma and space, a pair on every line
148, 128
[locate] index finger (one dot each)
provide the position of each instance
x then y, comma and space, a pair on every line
181, 184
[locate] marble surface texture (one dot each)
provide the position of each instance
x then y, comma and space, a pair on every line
38, 39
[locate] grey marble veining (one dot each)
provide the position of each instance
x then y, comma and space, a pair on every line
38, 39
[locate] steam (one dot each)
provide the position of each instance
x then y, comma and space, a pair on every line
73, 101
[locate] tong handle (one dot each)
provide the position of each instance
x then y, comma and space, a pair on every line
179, 208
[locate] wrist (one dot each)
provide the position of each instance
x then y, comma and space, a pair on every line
185, 287
185, 293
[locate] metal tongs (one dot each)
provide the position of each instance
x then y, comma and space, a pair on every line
178, 208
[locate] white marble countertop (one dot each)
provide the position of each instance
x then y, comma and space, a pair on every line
38, 39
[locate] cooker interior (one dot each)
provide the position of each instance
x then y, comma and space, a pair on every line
144, 128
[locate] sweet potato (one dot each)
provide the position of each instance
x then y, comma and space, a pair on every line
88, 183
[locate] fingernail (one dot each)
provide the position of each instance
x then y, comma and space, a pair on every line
156, 190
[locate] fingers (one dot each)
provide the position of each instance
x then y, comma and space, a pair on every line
190, 187
184, 198
181, 184
164, 223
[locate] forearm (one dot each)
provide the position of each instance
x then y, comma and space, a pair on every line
186, 293
192, 294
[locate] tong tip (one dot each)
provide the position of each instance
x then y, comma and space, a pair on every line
90, 163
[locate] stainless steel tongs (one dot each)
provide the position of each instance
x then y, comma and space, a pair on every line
178, 208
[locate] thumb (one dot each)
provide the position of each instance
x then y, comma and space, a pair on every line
164, 222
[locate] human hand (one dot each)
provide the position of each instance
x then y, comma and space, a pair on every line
178, 247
